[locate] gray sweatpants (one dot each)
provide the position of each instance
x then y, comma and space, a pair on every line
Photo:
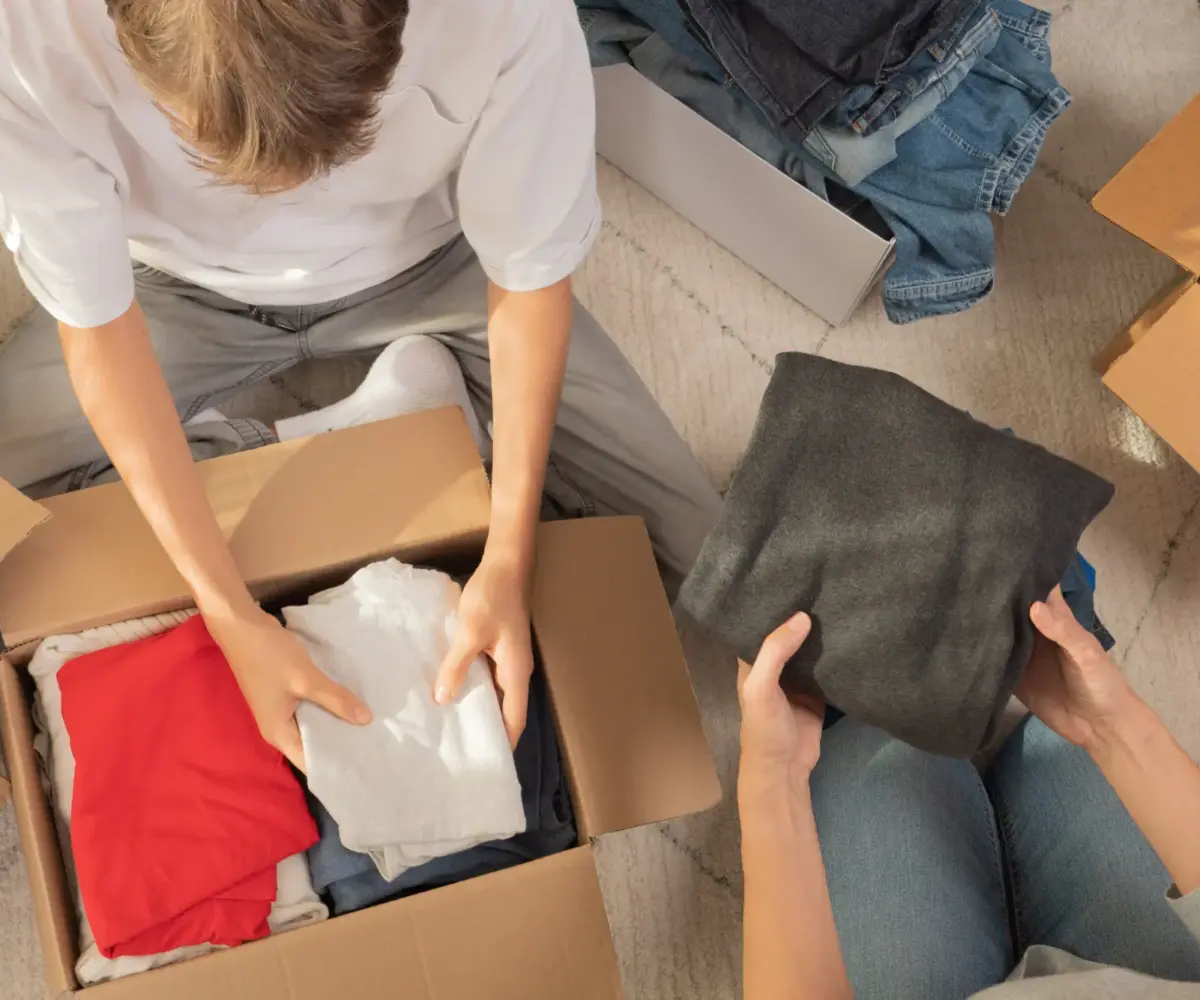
613, 451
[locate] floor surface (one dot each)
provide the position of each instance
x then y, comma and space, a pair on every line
703, 329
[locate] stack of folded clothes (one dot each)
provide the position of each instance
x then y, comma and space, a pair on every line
448, 771
352, 881
929, 112
184, 832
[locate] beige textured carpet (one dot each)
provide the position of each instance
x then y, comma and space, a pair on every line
703, 329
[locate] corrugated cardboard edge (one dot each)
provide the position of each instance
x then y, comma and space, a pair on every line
39, 844
1157, 378
1154, 311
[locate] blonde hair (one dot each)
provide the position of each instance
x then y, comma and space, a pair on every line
266, 94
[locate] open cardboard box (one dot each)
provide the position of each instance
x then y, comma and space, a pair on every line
1154, 366
301, 516
817, 254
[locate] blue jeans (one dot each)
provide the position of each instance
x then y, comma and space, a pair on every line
615, 36
967, 159
797, 61
868, 142
941, 878
668, 18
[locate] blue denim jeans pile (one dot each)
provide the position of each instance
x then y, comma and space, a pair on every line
934, 144
799, 59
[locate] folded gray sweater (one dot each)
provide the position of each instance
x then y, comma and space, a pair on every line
915, 536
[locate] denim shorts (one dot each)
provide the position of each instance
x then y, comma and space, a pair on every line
967, 159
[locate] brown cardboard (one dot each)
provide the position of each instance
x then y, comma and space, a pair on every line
1154, 365
1155, 310
348, 499
52, 907
537, 931
1156, 197
628, 732
1158, 378
302, 515
18, 517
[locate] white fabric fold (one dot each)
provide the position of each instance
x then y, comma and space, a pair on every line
422, 780
296, 903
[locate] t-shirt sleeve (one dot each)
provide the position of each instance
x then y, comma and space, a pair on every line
61, 216
526, 189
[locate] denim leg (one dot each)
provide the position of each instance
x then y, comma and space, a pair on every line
1082, 876
913, 864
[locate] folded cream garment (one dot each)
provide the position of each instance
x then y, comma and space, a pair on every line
296, 904
422, 780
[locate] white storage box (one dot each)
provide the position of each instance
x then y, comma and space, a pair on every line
821, 257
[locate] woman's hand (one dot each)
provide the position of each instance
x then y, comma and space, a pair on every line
1070, 683
781, 737
790, 944
493, 619
1076, 690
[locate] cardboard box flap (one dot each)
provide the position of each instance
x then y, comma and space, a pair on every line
479, 938
412, 486
1158, 375
630, 728
1156, 197
18, 517
52, 906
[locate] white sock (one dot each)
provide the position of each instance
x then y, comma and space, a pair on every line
412, 374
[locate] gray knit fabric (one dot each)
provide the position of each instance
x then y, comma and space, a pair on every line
916, 536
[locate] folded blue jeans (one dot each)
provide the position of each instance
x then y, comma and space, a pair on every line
853, 152
614, 36
351, 882
797, 59
941, 878
967, 159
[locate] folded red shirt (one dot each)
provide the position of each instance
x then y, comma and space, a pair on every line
180, 810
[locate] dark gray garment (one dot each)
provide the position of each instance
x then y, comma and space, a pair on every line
797, 59
916, 536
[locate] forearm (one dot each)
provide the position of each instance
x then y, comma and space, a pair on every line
124, 395
529, 335
791, 949
1159, 786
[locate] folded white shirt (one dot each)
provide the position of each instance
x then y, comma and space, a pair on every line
422, 780
296, 904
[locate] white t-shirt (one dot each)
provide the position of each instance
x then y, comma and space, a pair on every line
488, 129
